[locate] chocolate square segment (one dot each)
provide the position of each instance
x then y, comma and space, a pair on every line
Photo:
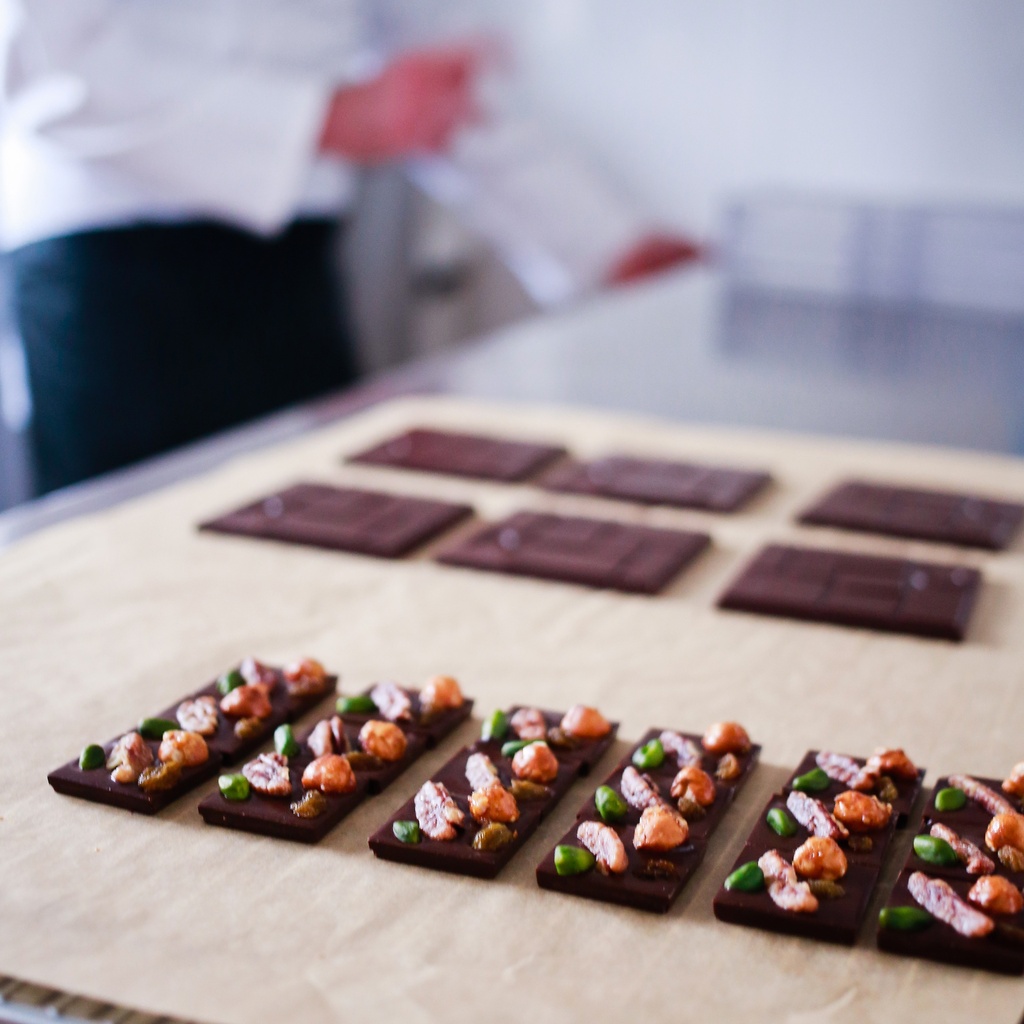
944, 517
483, 458
891, 594
653, 880
590, 552
343, 519
1002, 950
657, 482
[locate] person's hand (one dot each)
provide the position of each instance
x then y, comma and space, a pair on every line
415, 105
652, 255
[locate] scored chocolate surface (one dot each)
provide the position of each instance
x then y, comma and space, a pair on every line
589, 552
273, 816
837, 920
657, 482
653, 880
342, 519
948, 518
457, 855
439, 451
889, 594
1002, 951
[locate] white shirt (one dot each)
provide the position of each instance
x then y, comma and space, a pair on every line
122, 111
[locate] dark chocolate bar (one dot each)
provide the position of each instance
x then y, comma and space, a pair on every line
838, 918
1002, 950
575, 758
653, 880
343, 519
225, 746
657, 482
273, 816
482, 458
589, 552
944, 517
890, 594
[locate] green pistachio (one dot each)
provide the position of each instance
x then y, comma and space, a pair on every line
406, 831
92, 756
950, 799
609, 804
904, 919
361, 705
154, 728
813, 781
495, 727
746, 878
649, 756
234, 787
230, 681
284, 741
781, 823
935, 851
573, 860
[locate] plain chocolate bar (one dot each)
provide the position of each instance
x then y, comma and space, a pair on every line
657, 482
890, 594
653, 880
468, 455
275, 816
1002, 949
946, 518
575, 758
840, 912
588, 552
343, 519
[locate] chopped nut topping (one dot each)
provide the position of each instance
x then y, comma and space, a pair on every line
392, 701
529, 724
819, 857
586, 723
604, 843
729, 768
1014, 785
255, 673
726, 738
683, 750
860, 812
187, 749
536, 763
997, 895
305, 678
1005, 830
893, 761
198, 715
639, 790
970, 855
441, 693
249, 701
129, 756
660, 829
329, 773
845, 770
328, 737
814, 816
786, 891
493, 802
480, 771
383, 739
696, 783
436, 811
268, 774
980, 794
941, 901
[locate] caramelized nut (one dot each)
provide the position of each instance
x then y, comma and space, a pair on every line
997, 895
820, 857
305, 678
249, 701
441, 692
536, 763
604, 843
493, 803
383, 739
529, 724
268, 774
892, 762
187, 749
695, 782
1014, 785
726, 738
330, 773
728, 768
328, 737
436, 811
128, 758
860, 812
1011, 858
1005, 830
660, 829
199, 715
587, 723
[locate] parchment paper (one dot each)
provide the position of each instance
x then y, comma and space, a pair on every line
105, 619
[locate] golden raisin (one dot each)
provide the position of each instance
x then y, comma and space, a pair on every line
493, 837
160, 777
247, 728
728, 768
311, 805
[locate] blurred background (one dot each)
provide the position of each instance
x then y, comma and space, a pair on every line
851, 175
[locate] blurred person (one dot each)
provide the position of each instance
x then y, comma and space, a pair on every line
172, 180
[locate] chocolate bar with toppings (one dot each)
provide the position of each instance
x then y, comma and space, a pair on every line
479, 809
657, 482
343, 519
468, 455
946, 518
812, 861
314, 780
570, 549
958, 898
642, 835
890, 594
144, 770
